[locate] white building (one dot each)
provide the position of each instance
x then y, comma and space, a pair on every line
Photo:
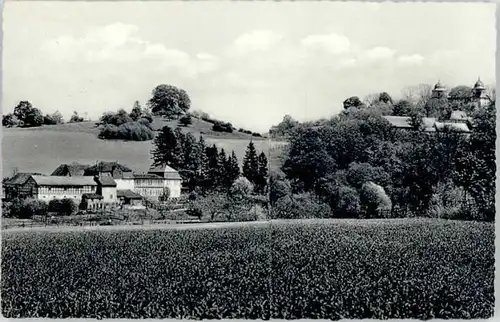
106, 187
58, 187
172, 179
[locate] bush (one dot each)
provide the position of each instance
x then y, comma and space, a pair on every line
241, 188
131, 131
75, 118
374, 201
27, 208
63, 207
222, 127
186, 120
257, 134
10, 120
300, 206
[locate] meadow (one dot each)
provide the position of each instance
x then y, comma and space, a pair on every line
300, 269
44, 149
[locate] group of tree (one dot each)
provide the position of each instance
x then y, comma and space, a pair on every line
27, 208
136, 126
25, 115
357, 165
201, 166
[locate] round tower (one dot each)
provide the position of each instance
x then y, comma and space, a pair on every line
479, 93
439, 90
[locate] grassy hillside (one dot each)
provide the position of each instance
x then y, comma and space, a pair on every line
43, 149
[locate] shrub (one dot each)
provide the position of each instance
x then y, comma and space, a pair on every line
10, 120
374, 201
75, 118
300, 206
194, 211
27, 208
219, 126
241, 188
186, 120
63, 207
132, 131
256, 134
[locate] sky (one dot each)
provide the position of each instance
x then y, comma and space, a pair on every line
249, 63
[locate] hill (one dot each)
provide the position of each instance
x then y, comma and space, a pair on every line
44, 148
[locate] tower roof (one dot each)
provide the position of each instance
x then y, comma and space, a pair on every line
439, 87
479, 84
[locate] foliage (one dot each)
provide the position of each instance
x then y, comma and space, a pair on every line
285, 128
403, 108
374, 201
169, 101
75, 118
131, 131
27, 208
186, 120
136, 112
10, 120
300, 206
241, 188
251, 164
353, 101
63, 207
116, 119
55, 118
219, 126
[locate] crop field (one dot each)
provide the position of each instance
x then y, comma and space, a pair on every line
56, 147
325, 269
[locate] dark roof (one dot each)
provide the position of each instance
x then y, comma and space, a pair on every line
64, 181
106, 181
92, 196
147, 176
128, 194
165, 171
108, 167
74, 169
20, 178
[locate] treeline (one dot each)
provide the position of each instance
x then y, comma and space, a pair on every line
121, 125
25, 115
26, 208
356, 165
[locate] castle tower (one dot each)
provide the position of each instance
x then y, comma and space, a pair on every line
479, 96
439, 90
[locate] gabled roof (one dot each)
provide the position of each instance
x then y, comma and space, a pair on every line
74, 169
20, 178
165, 171
64, 181
129, 194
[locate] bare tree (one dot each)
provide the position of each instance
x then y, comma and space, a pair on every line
371, 99
417, 94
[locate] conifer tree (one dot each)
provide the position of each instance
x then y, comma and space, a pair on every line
213, 163
165, 144
232, 168
250, 163
203, 173
222, 180
261, 181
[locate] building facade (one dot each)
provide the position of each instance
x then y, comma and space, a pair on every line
58, 187
149, 186
172, 182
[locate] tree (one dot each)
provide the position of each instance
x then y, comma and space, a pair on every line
169, 101
241, 188
385, 97
438, 107
164, 150
402, 108
261, 180
232, 168
279, 187
222, 177
22, 110
417, 120
460, 92
353, 101
251, 164
10, 120
374, 201
285, 128
136, 112
75, 118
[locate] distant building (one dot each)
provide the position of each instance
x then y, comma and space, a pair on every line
173, 181
478, 95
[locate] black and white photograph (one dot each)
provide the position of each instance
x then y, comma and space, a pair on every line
260, 160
